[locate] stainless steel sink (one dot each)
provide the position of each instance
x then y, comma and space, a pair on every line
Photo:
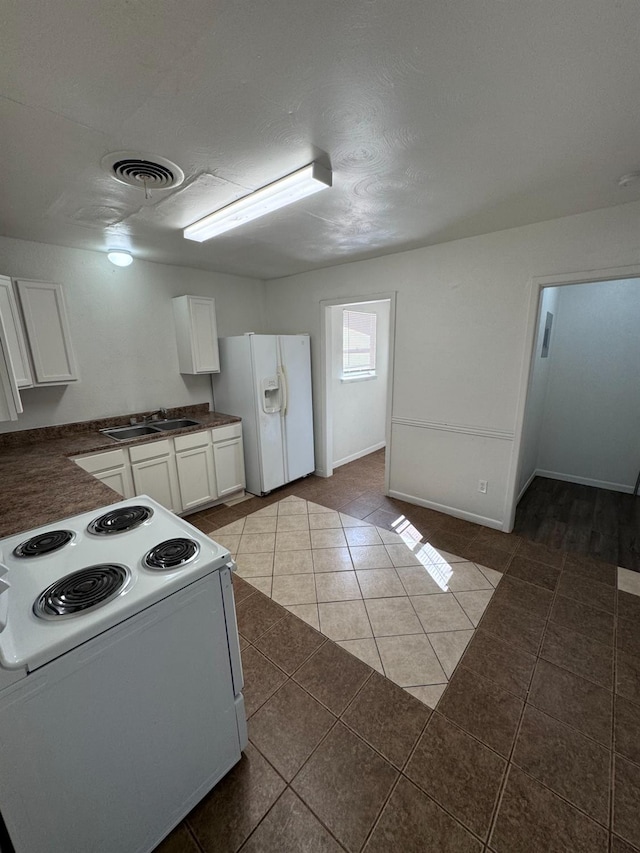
176, 423
152, 428
123, 433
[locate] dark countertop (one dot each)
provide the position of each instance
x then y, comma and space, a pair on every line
41, 484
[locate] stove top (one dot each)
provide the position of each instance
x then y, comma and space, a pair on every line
72, 580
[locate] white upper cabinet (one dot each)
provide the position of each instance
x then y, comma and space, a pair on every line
197, 334
16, 342
10, 403
45, 318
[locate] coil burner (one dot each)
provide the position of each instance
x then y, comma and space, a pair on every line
120, 520
81, 591
44, 543
171, 554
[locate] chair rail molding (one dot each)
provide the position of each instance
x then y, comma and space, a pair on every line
467, 429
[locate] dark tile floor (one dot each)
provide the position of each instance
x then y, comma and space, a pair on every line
533, 747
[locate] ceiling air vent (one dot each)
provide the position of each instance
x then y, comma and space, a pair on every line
146, 172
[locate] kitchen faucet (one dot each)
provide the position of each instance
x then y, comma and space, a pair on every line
153, 415
146, 418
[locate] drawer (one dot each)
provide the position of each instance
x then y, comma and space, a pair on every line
103, 461
224, 432
192, 439
150, 450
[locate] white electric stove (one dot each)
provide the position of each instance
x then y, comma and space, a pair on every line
120, 678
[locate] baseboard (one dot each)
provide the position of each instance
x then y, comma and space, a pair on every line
585, 481
238, 498
359, 454
494, 523
320, 472
526, 486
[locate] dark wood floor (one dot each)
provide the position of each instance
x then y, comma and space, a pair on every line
582, 519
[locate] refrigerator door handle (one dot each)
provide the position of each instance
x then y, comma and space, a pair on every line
285, 390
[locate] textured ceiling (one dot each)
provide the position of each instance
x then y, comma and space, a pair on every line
440, 120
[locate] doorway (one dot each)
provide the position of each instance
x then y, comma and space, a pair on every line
579, 448
357, 376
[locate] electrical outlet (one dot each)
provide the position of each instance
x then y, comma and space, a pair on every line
482, 486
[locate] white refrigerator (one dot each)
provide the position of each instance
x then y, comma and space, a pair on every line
266, 380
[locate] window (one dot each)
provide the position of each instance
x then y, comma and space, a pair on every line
358, 344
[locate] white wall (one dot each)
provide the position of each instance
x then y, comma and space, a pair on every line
534, 412
359, 407
122, 330
591, 428
462, 341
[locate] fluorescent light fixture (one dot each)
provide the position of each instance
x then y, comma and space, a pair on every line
306, 181
119, 257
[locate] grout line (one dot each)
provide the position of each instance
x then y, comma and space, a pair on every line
288, 786
384, 671
414, 748
429, 796
608, 826
374, 825
315, 585
268, 812
191, 833
614, 709
510, 764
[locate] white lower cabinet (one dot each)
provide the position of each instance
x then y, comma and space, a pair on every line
228, 459
181, 473
112, 468
153, 467
196, 477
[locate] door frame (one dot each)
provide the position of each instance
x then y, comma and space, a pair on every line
325, 468
536, 286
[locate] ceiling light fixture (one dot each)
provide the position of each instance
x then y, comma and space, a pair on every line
119, 257
298, 185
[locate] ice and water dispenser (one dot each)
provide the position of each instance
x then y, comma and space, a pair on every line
271, 395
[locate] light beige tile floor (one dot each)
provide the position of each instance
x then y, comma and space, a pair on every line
404, 607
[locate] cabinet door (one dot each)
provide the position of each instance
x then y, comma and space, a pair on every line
45, 317
112, 468
10, 404
197, 334
14, 334
157, 478
195, 476
118, 479
228, 459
